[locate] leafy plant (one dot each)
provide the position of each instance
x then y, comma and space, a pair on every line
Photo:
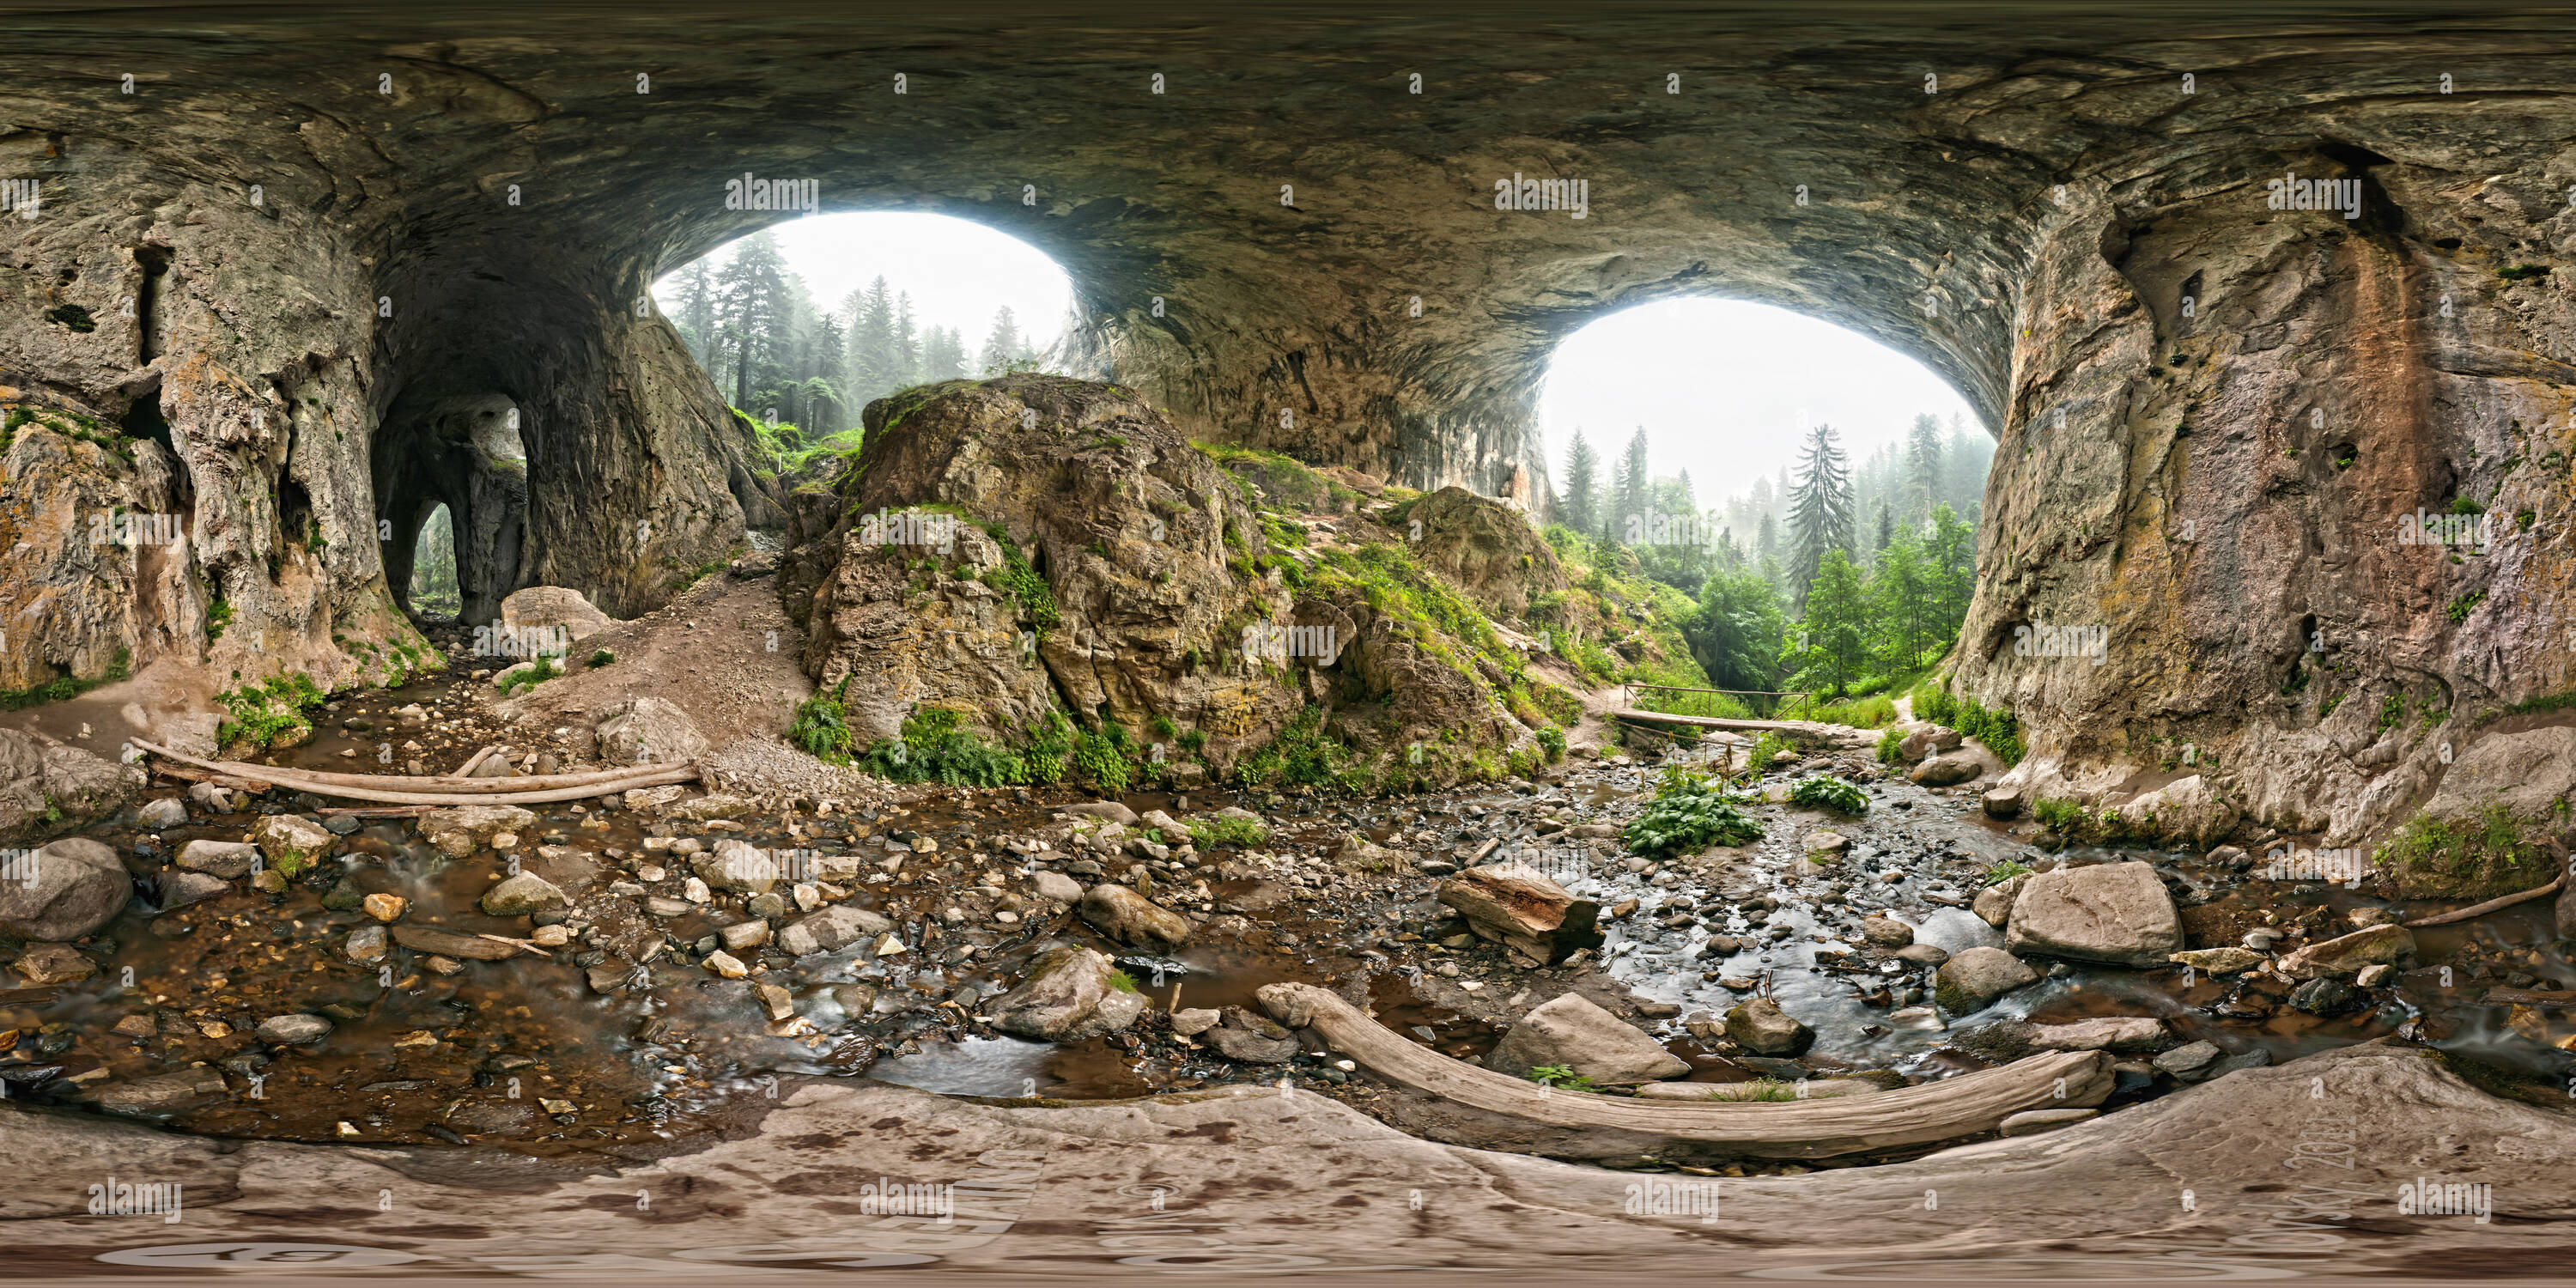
2006, 871
1561, 1076
1891, 748
1825, 791
821, 728
1227, 831
266, 715
2066, 818
542, 670
1686, 817
1122, 981
935, 749
1553, 739
602, 658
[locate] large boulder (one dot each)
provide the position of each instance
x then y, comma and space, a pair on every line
2528, 776
1972, 980
2107, 912
1246, 1037
231, 860
523, 895
73, 887
48, 788
1484, 547
1069, 994
1576, 1034
1946, 771
548, 607
649, 731
1131, 918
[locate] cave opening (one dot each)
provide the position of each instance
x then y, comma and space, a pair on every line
433, 590
457, 463
1814, 494
802, 324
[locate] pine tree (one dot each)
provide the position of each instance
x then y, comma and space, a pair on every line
1766, 544
903, 348
698, 312
870, 365
1002, 347
751, 292
942, 356
1632, 490
1834, 628
1820, 511
1886, 532
1924, 485
1582, 500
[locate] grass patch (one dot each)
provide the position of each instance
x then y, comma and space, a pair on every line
2000, 731
538, 672
602, 657
1304, 754
1227, 831
2478, 858
1891, 748
2006, 871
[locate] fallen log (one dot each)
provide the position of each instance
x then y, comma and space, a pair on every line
2481, 909
448, 783
1520, 908
298, 780
466, 770
1968, 1105
255, 786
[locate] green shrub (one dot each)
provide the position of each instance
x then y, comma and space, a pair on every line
265, 715
821, 728
1890, 748
542, 670
2066, 818
1553, 739
1825, 791
1022, 582
1102, 758
1998, 730
218, 616
1769, 744
1687, 817
1304, 754
602, 658
935, 749
2433, 858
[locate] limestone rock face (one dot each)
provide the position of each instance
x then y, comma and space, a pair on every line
551, 606
1486, 548
2106, 912
79, 886
48, 787
1579, 1035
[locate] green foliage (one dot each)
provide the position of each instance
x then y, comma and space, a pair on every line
935, 749
1552, 739
602, 657
65, 687
1243, 832
2000, 731
1761, 1090
1121, 981
821, 728
1889, 744
218, 616
265, 715
1102, 757
1561, 1076
2005, 871
537, 672
1770, 743
1022, 582
2066, 818
2434, 858
1825, 791
2518, 272
1689, 813
2461, 608
1877, 711
1304, 754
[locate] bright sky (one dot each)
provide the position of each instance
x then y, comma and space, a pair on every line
1726, 387
959, 272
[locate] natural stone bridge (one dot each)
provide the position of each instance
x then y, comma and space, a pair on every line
301, 252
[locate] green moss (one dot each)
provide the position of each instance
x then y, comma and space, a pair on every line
218, 616
2432, 858
602, 658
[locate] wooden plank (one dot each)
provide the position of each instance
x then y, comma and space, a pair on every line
585, 786
1968, 1105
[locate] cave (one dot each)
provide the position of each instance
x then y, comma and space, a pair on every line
2235, 297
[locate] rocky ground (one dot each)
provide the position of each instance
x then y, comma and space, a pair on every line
620, 973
